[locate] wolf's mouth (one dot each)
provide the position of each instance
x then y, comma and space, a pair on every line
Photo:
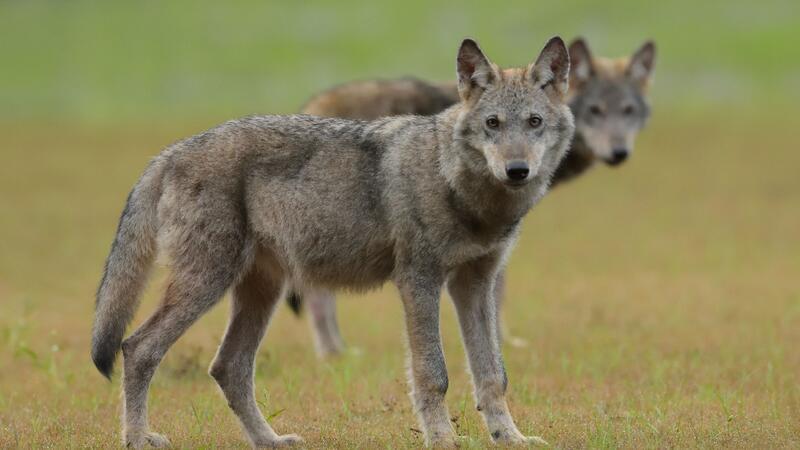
613, 162
516, 184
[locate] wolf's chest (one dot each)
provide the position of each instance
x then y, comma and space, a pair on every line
462, 247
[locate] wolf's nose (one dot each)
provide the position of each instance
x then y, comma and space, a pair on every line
619, 155
517, 170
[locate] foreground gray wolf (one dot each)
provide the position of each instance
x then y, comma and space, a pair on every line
607, 97
266, 202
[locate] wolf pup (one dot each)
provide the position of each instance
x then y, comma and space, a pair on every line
265, 202
606, 96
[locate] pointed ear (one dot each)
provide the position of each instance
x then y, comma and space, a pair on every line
551, 69
640, 68
475, 72
580, 62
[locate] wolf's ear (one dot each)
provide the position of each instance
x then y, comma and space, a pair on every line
580, 62
551, 69
640, 68
475, 72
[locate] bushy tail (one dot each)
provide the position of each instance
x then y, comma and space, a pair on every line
126, 269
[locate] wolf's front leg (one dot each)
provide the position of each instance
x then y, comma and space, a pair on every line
427, 370
472, 288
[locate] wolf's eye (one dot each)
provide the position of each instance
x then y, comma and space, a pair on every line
535, 121
492, 122
596, 110
628, 110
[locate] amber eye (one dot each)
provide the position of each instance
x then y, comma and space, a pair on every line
492, 122
535, 121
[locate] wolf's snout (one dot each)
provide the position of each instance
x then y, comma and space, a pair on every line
618, 156
517, 170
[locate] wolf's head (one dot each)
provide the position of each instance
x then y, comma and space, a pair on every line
515, 123
607, 97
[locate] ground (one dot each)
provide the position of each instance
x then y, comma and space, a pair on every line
660, 300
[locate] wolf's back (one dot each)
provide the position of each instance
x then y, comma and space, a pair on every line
126, 268
373, 99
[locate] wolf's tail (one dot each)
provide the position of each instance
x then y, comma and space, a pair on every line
126, 269
295, 302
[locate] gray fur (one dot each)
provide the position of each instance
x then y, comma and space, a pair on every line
266, 202
126, 269
371, 99
608, 102
611, 85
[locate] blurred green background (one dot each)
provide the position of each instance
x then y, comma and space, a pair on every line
97, 61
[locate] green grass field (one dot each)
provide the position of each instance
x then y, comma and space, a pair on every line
661, 299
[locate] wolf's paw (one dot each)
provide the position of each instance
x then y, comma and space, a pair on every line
535, 441
444, 440
287, 440
467, 442
514, 437
156, 440
139, 440
354, 351
516, 342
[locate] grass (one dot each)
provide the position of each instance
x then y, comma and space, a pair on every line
660, 299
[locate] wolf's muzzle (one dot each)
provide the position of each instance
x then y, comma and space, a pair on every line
517, 170
618, 156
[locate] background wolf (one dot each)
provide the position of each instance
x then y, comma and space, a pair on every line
262, 202
607, 99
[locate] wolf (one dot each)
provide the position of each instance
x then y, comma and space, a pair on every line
372, 99
607, 96
265, 203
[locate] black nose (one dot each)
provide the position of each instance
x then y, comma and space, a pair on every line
517, 170
618, 155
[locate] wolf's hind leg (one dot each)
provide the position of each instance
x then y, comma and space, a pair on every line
190, 293
324, 326
502, 328
253, 302
471, 289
